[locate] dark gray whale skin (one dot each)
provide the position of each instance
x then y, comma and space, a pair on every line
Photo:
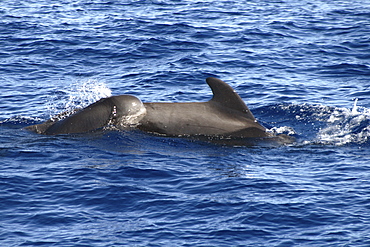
225, 116
95, 116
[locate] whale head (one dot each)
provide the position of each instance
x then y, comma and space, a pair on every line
127, 110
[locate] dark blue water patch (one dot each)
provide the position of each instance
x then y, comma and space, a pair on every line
358, 43
154, 48
349, 12
345, 69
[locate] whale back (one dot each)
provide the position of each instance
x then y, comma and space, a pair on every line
225, 114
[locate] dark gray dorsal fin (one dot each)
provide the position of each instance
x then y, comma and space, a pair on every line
227, 97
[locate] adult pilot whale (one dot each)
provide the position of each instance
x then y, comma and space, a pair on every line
224, 116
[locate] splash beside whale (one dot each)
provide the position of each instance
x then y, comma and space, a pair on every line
225, 116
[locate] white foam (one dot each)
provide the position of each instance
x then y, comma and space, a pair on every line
76, 96
282, 130
346, 126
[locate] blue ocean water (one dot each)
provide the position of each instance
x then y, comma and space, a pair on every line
303, 68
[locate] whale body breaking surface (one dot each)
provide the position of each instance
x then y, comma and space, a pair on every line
224, 117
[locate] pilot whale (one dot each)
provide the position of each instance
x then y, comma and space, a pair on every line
224, 116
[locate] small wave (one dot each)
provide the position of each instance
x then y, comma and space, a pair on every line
19, 120
345, 69
345, 126
320, 124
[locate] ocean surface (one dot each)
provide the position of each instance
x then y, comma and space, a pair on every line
302, 67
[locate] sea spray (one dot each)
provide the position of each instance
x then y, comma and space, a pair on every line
76, 96
346, 126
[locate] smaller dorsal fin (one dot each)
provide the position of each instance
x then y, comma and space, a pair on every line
227, 97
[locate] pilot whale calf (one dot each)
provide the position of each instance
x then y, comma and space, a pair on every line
116, 110
224, 116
